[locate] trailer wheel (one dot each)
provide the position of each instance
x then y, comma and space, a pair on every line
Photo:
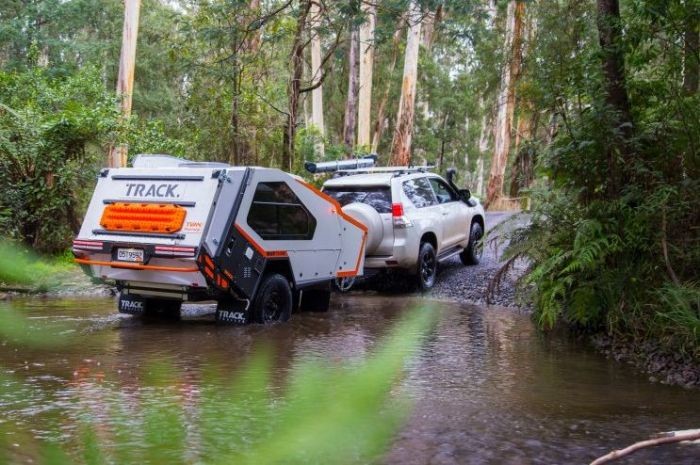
315, 300
273, 302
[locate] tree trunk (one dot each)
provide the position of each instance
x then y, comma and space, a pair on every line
380, 121
317, 93
506, 101
401, 145
691, 42
246, 139
350, 120
483, 148
609, 36
125, 81
293, 88
364, 107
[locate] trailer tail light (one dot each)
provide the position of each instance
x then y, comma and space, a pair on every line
143, 217
175, 251
79, 244
400, 220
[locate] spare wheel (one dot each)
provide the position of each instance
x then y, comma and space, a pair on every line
369, 217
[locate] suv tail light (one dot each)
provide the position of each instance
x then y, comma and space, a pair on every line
400, 221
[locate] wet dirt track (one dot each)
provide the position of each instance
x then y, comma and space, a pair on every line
487, 387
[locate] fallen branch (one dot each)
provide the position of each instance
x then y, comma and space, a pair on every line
668, 438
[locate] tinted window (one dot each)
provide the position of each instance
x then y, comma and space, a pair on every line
278, 214
443, 192
378, 197
420, 192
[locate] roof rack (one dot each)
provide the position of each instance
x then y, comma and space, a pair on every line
395, 170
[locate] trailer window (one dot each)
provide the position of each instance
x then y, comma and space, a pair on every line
377, 197
278, 214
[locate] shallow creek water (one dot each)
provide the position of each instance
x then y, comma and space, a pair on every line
487, 387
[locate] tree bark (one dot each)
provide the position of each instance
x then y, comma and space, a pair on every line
506, 101
691, 51
296, 57
350, 120
125, 81
401, 144
609, 37
364, 107
317, 93
483, 150
380, 121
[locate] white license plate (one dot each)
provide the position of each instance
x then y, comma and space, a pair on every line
130, 255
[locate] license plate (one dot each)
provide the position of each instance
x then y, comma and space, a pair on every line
130, 255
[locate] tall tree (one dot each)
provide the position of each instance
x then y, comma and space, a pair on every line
691, 48
350, 120
364, 106
125, 81
380, 119
614, 82
401, 144
317, 93
506, 101
296, 57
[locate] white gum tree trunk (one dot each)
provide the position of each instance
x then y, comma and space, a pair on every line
506, 102
401, 144
317, 93
364, 107
125, 80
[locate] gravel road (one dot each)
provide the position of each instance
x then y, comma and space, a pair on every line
469, 284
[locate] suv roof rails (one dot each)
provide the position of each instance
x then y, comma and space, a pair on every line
395, 170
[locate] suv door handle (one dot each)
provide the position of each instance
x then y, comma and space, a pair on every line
445, 213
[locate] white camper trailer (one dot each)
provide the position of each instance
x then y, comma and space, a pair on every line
259, 241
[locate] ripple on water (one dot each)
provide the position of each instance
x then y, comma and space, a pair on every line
487, 388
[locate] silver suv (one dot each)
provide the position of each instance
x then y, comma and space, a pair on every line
414, 218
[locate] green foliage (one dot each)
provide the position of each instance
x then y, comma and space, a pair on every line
612, 242
51, 133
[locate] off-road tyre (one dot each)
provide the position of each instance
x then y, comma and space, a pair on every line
475, 249
427, 267
273, 301
315, 300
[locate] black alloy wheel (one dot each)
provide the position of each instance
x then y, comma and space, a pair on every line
427, 266
273, 302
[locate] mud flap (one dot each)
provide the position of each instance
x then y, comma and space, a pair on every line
233, 312
132, 304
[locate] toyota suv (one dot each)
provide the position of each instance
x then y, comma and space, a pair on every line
414, 218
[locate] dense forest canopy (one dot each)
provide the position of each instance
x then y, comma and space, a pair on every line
589, 109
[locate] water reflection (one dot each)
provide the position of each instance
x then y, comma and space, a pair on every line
488, 388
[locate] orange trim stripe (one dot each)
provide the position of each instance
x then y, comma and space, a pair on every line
258, 247
346, 217
134, 266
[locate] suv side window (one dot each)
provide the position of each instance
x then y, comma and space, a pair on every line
443, 192
277, 213
420, 192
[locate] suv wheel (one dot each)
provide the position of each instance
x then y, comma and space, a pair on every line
427, 266
273, 301
475, 249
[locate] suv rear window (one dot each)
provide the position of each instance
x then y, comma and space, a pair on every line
377, 197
